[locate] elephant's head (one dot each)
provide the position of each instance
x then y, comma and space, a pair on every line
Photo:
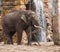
30, 18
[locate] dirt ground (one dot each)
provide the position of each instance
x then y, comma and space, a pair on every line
44, 47
32, 48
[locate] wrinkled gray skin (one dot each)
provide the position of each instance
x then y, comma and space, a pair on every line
18, 21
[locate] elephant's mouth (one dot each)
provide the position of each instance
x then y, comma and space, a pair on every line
35, 31
38, 28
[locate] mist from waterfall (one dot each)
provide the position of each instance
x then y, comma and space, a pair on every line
59, 6
51, 7
40, 13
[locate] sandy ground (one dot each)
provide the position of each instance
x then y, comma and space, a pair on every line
32, 48
44, 47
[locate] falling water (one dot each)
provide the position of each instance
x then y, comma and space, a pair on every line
0, 3
39, 12
51, 7
59, 6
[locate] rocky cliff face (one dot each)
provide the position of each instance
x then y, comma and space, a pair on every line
49, 12
13, 5
20, 4
56, 22
48, 19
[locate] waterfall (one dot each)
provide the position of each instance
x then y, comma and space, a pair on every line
59, 6
51, 7
0, 3
39, 11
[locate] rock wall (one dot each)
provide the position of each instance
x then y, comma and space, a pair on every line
52, 18
19, 4
56, 23
48, 20
13, 5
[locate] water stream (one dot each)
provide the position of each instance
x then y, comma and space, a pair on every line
40, 13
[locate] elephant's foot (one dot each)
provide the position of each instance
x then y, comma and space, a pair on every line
8, 42
29, 43
19, 43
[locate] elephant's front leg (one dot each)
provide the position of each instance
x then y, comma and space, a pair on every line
29, 39
19, 36
28, 31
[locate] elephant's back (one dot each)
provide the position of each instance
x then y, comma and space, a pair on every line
11, 16
10, 19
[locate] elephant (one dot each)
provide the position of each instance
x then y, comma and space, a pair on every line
18, 21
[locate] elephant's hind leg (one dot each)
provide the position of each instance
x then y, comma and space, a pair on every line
11, 36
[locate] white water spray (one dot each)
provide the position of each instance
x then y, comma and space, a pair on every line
42, 22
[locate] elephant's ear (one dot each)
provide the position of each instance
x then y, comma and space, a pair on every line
23, 18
